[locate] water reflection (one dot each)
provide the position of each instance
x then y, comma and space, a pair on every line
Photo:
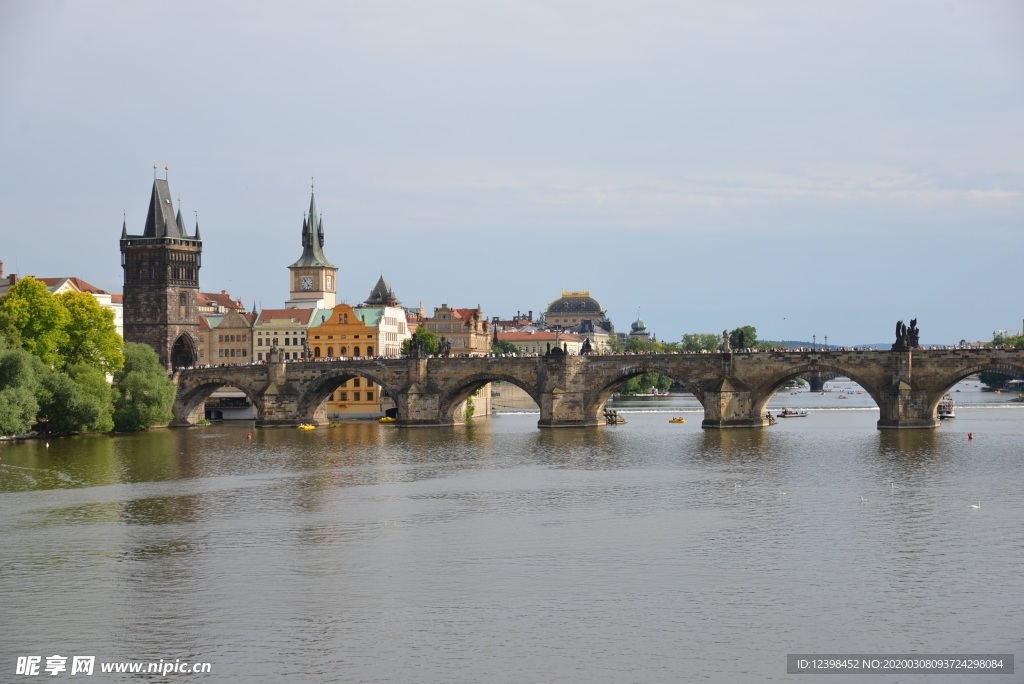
735, 444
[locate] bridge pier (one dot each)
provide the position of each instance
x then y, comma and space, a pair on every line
560, 408
420, 406
730, 404
903, 408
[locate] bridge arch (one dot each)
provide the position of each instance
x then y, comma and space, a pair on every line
945, 383
606, 386
453, 396
312, 402
189, 401
764, 392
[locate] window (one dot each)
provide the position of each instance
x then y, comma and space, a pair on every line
355, 396
344, 396
316, 352
355, 383
369, 396
369, 351
355, 351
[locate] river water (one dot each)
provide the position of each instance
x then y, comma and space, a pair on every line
498, 552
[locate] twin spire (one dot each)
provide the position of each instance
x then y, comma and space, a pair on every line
313, 238
161, 221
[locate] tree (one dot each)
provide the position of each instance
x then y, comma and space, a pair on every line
77, 401
37, 318
91, 334
429, 339
748, 333
145, 395
19, 382
702, 342
504, 347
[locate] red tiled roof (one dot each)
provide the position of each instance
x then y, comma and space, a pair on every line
544, 335
301, 315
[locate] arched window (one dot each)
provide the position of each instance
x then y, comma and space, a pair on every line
355, 351
344, 351
316, 352
369, 351
330, 352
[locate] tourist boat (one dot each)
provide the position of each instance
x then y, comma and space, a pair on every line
792, 413
307, 426
386, 419
677, 420
946, 407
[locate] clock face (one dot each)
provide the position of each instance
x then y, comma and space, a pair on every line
306, 282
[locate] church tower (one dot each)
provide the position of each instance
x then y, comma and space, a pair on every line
313, 278
161, 282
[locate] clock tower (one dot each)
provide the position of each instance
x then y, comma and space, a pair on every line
313, 278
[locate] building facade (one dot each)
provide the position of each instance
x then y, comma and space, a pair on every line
466, 330
226, 338
542, 341
286, 330
161, 282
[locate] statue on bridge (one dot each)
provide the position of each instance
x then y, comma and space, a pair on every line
444, 347
586, 348
417, 350
906, 338
725, 342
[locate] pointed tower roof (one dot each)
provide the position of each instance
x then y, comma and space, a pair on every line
178, 220
381, 295
312, 239
160, 221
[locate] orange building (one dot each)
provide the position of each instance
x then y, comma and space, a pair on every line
358, 332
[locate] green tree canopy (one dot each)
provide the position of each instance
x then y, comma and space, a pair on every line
702, 342
430, 341
145, 395
79, 400
748, 333
504, 347
38, 320
91, 334
19, 383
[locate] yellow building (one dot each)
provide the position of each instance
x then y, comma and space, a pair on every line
358, 332
285, 329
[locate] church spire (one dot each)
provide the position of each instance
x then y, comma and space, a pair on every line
313, 238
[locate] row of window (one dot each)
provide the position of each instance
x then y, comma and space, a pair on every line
232, 353
232, 338
343, 351
356, 396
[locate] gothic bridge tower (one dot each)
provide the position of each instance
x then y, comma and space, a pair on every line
161, 282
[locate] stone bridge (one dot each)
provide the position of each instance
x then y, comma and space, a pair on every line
571, 391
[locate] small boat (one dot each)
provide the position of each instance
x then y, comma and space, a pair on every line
386, 419
792, 413
677, 420
946, 408
307, 426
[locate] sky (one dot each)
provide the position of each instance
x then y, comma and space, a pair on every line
809, 168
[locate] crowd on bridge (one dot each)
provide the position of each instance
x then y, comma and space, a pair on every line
747, 350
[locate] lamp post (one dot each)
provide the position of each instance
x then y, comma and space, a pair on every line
826, 342
814, 343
